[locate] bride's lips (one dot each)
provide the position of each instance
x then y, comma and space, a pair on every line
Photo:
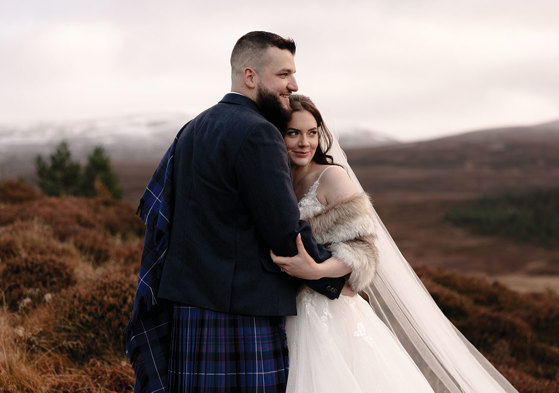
301, 153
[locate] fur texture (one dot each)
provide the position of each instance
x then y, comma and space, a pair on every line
348, 231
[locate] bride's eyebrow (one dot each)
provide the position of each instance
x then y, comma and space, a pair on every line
293, 129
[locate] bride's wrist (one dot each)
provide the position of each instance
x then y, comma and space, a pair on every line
319, 270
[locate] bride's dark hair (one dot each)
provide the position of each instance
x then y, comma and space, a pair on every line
299, 103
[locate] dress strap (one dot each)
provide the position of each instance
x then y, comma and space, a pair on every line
324, 170
312, 190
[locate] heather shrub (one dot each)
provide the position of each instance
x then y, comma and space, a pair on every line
88, 319
494, 326
64, 215
26, 280
526, 383
93, 245
511, 329
8, 247
30, 238
118, 218
14, 191
8, 213
475, 288
542, 313
128, 254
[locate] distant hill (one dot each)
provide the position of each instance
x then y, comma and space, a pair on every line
364, 138
414, 185
543, 132
485, 161
135, 144
134, 137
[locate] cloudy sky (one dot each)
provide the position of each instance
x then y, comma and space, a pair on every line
411, 69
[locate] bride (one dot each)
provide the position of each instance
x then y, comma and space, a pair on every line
398, 341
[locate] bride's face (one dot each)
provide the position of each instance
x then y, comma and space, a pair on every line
301, 138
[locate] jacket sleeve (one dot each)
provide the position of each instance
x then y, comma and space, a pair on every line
264, 179
348, 231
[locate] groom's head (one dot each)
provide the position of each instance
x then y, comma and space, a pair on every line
263, 68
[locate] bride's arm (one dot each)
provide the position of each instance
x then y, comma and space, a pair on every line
346, 226
303, 266
335, 186
347, 230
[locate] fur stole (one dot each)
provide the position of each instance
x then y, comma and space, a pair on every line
347, 230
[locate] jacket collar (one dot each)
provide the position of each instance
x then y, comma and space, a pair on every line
239, 99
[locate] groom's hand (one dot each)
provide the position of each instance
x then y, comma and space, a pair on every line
301, 265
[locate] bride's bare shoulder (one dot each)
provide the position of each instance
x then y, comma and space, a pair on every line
335, 185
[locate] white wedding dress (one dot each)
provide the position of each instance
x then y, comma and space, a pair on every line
341, 346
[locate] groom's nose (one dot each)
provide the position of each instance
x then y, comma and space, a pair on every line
292, 84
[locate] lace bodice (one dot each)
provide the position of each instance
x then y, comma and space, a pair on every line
309, 205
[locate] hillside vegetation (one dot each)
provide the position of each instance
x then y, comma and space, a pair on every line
68, 270
67, 282
529, 217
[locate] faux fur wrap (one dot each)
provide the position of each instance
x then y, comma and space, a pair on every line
347, 230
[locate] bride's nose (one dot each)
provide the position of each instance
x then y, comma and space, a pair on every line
303, 141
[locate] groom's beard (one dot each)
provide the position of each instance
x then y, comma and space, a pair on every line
271, 108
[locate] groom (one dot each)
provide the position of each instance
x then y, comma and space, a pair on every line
233, 202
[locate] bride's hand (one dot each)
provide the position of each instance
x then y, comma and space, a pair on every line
301, 265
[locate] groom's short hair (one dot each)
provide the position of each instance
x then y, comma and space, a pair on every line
249, 49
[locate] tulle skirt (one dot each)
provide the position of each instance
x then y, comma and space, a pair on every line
341, 346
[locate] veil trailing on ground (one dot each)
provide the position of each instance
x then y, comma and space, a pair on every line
445, 357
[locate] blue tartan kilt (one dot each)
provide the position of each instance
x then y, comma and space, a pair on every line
214, 352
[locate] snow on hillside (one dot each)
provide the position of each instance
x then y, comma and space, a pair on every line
139, 137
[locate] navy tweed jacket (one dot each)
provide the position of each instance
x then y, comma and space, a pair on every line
233, 202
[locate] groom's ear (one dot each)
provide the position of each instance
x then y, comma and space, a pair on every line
250, 78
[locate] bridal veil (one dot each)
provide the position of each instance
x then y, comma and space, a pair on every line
445, 357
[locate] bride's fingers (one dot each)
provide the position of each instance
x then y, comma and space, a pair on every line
299, 244
277, 259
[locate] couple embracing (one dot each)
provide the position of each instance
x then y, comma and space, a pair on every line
258, 239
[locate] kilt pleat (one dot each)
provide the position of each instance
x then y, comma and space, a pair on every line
214, 352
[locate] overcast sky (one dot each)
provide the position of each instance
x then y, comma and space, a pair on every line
411, 69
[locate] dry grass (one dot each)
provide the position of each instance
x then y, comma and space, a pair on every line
66, 284
87, 320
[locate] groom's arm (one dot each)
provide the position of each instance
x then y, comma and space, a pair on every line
265, 182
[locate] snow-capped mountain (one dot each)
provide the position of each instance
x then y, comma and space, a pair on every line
360, 137
137, 138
